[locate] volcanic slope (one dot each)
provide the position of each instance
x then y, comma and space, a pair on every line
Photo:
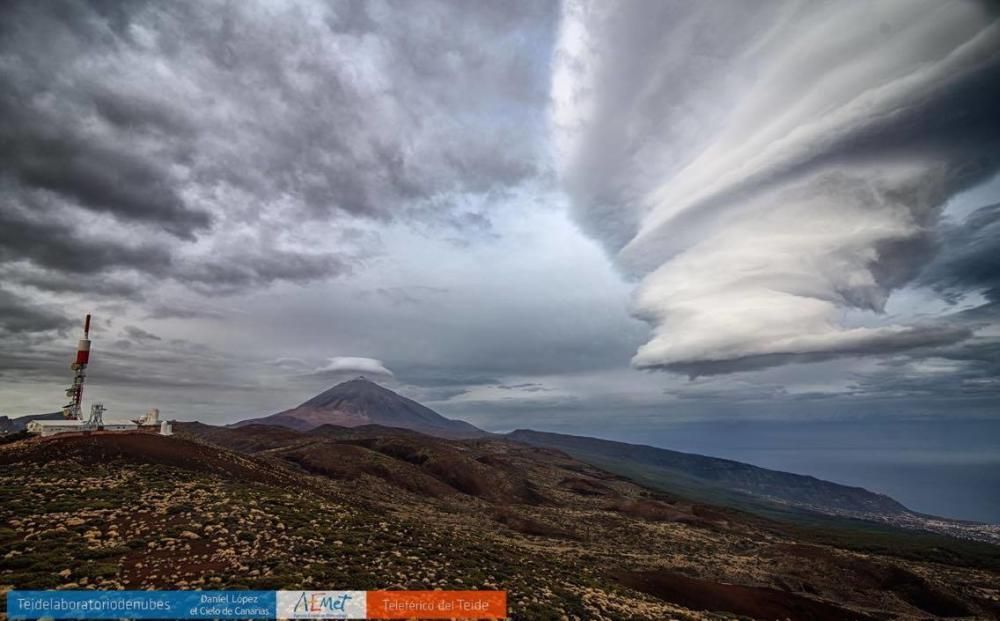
713, 478
369, 507
362, 402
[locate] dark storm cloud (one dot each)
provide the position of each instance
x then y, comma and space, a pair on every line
46, 124
173, 310
44, 153
966, 261
524, 387
99, 179
418, 109
20, 315
57, 245
961, 371
186, 128
445, 377
155, 154
138, 334
170, 364
119, 287
427, 384
969, 257
239, 271
914, 337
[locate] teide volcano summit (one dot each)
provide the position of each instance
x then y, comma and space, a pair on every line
362, 402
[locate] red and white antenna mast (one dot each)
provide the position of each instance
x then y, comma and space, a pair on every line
75, 391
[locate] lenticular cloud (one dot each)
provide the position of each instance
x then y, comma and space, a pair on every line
764, 172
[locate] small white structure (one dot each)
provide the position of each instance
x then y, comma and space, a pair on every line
150, 418
96, 422
46, 428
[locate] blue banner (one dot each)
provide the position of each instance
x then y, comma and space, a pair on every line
142, 604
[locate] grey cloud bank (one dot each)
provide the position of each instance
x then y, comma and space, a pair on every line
225, 145
496, 201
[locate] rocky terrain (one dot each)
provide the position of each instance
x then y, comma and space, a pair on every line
705, 475
371, 507
362, 404
770, 493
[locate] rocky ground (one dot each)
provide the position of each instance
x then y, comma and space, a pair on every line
337, 509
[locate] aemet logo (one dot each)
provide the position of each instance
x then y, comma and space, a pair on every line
321, 601
322, 605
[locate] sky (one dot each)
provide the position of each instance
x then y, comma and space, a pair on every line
579, 216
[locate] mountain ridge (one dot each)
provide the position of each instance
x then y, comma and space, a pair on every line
373, 508
796, 489
360, 402
774, 494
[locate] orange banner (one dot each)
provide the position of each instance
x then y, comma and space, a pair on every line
437, 604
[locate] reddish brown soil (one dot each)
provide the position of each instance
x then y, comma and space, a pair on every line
413, 461
586, 487
865, 574
348, 462
585, 469
756, 602
143, 448
714, 516
249, 438
165, 562
456, 468
364, 431
530, 526
656, 511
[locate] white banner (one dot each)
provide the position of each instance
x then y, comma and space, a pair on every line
322, 605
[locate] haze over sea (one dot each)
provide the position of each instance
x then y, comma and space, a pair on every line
945, 467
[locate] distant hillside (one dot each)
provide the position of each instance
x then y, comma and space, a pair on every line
417, 462
363, 402
714, 479
361, 409
373, 508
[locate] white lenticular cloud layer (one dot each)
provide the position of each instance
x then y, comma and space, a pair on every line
352, 364
763, 169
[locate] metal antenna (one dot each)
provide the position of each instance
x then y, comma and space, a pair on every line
75, 392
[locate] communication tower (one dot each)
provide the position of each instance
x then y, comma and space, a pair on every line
75, 392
